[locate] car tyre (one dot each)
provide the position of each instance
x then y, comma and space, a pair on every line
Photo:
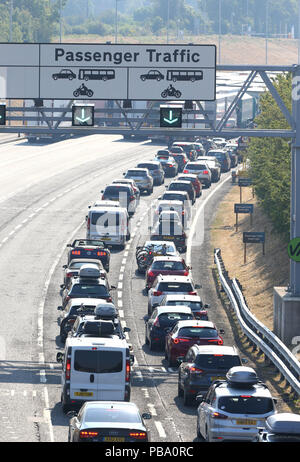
171, 362
187, 399
198, 431
180, 391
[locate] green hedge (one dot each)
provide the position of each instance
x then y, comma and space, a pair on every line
270, 158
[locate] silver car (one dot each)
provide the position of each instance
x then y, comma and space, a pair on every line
201, 169
233, 409
142, 178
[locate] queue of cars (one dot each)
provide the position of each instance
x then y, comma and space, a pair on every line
97, 357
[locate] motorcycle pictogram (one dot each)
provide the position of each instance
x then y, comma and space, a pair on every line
83, 91
171, 91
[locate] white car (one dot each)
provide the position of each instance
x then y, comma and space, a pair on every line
201, 169
233, 409
164, 285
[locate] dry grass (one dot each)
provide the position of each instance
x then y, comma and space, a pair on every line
234, 49
261, 272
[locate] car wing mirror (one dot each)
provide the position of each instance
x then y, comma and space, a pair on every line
244, 361
199, 398
222, 331
207, 305
60, 308
65, 266
131, 358
112, 287
71, 414
62, 286
198, 286
126, 329
146, 416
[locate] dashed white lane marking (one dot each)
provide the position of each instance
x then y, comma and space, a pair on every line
124, 261
152, 409
146, 392
120, 294
138, 376
121, 313
121, 277
160, 429
120, 303
120, 285
126, 254
122, 269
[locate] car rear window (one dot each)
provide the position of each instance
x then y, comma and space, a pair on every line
245, 404
173, 197
114, 191
89, 290
175, 287
195, 306
179, 187
217, 361
105, 219
98, 362
136, 173
170, 319
197, 332
149, 166
168, 265
196, 167
112, 414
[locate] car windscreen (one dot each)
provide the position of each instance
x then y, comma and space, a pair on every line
245, 404
195, 306
167, 265
218, 155
217, 361
98, 362
112, 414
185, 147
197, 332
175, 287
88, 290
162, 249
179, 187
170, 319
105, 219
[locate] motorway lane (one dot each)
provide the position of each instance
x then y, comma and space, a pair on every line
30, 239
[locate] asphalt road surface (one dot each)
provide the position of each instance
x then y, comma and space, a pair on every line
45, 190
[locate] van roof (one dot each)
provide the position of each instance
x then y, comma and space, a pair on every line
108, 208
91, 342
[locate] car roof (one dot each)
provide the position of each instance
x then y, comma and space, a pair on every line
166, 202
173, 309
115, 185
195, 162
190, 298
85, 301
137, 169
284, 423
167, 258
106, 203
196, 323
179, 182
216, 349
226, 389
109, 208
174, 278
91, 261
152, 162
110, 404
176, 192
158, 243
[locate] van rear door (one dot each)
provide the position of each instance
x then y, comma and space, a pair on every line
111, 380
84, 374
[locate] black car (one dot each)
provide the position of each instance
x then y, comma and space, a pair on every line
184, 186
189, 149
87, 288
124, 193
108, 422
169, 165
163, 319
90, 248
181, 159
152, 75
223, 158
202, 365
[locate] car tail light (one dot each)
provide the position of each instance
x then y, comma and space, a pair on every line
180, 340
157, 293
193, 293
186, 273
67, 298
131, 198
87, 434
205, 172
185, 171
69, 275
101, 254
127, 372
88, 225
109, 299
217, 341
68, 369
156, 323
138, 435
151, 274
218, 415
195, 370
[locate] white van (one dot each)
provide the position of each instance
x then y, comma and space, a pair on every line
110, 224
94, 369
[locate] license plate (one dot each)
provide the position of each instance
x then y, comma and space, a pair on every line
167, 238
114, 439
105, 239
83, 393
217, 378
246, 422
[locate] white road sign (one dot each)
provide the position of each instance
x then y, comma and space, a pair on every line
108, 71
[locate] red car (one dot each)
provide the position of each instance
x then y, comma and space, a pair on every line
195, 181
166, 266
188, 333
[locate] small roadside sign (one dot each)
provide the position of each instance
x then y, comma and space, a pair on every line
294, 249
243, 182
253, 238
242, 208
